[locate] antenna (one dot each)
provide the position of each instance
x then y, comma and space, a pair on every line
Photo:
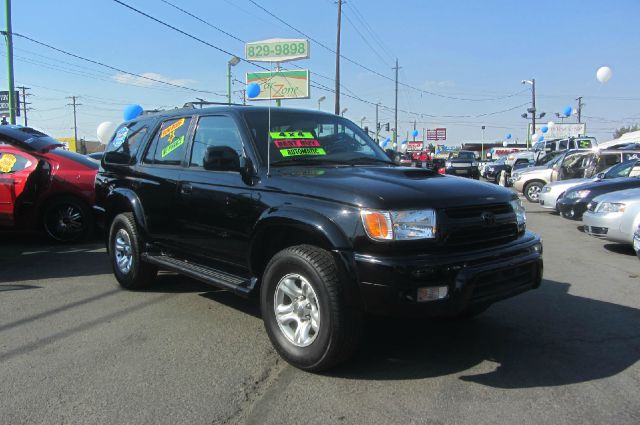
269, 133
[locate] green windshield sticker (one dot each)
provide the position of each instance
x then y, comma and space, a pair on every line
291, 135
302, 151
173, 146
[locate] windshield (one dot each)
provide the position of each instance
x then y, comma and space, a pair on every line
500, 160
620, 170
462, 155
553, 161
303, 138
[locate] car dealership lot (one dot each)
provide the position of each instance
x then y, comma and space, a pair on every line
74, 348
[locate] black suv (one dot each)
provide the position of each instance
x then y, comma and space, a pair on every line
304, 210
463, 164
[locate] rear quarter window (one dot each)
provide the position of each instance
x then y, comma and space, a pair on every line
11, 163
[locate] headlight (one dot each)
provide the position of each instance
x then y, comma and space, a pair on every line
610, 207
399, 225
546, 189
518, 208
491, 169
576, 194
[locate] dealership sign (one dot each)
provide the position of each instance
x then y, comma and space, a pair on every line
4, 102
277, 50
560, 131
437, 134
281, 84
414, 146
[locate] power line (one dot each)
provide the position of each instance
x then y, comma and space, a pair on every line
113, 67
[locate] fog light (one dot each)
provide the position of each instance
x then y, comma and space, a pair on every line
432, 293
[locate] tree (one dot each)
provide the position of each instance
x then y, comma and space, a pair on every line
622, 130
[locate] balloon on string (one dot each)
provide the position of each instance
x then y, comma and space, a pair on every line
550, 124
253, 90
508, 136
545, 129
415, 133
541, 139
132, 112
105, 131
567, 111
604, 74
404, 142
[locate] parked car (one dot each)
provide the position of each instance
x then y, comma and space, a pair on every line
574, 202
551, 192
636, 241
463, 164
304, 210
96, 156
404, 159
44, 188
529, 181
493, 169
614, 216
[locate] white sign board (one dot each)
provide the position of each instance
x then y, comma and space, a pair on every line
560, 131
277, 50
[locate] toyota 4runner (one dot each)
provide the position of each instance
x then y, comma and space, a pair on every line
304, 210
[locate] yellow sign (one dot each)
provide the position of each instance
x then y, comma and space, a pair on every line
69, 143
7, 162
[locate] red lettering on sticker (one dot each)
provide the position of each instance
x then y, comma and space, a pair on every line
296, 143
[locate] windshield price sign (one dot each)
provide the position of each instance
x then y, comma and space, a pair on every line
277, 50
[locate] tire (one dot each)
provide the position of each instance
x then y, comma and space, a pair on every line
124, 239
67, 220
532, 191
338, 326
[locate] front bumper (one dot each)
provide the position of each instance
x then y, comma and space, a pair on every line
548, 200
572, 208
606, 226
473, 172
389, 285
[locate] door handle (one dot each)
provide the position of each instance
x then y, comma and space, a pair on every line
186, 189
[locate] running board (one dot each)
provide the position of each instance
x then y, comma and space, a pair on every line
211, 276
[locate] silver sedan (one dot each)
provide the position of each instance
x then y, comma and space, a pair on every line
614, 216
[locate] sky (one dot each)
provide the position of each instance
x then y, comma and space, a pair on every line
463, 60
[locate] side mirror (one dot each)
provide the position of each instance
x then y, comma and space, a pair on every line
600, 176
221, 158
114, 157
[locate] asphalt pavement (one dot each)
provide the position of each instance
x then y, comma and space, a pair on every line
76, 349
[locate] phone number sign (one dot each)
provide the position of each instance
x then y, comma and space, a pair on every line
277, 50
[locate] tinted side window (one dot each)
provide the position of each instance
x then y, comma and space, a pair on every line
214, 131
10, 163
169, 144
127, 140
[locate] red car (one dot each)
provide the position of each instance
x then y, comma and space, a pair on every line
44, 188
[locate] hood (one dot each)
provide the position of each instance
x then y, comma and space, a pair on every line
27, 139
626, 195
385, 187
569, 183
528, 170
609, 185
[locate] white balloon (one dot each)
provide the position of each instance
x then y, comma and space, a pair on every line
105, 131
604, 74
550, 124
534, 137
505, 144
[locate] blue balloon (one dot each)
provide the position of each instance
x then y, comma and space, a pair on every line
567, 111
404, 142
541, 138
508, 136
253, 90
545, 129
415, 133
132, 112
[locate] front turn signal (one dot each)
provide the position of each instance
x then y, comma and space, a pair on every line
377, 224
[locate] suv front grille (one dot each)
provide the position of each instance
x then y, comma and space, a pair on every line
465, 227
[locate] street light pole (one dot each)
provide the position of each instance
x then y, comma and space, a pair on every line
232, 62
533, 102
320, 100
377, 123
9, 39
482, 144
362, 122
395, 133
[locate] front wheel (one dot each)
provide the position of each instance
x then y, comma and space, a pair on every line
532, 191
304, 309
125, 251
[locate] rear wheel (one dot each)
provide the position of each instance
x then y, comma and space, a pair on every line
532, 191
304, 309
125, 251
67, 220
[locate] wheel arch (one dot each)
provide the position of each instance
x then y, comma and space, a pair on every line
123, 200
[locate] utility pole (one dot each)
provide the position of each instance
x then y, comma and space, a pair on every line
580, 105
337, 106
482, 144
414, 129
395, 134
24, 102
9, 39
377, 123
75, 122
533, 104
